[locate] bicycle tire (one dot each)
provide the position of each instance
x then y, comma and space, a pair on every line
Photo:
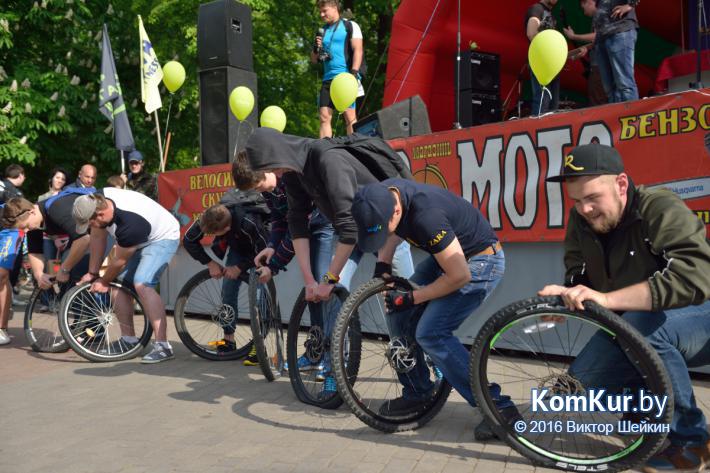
199, 321
95, 326
351, 317
530, 315
305, 386
266, 327
42, 325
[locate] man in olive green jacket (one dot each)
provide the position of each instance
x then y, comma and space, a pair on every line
643, 253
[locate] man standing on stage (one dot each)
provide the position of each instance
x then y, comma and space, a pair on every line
539, 18
338, 46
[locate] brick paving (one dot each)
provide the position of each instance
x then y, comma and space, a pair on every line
64, 414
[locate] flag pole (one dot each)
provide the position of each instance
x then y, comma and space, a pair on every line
123, 163
160, 141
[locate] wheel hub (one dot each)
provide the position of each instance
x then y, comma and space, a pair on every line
400, 355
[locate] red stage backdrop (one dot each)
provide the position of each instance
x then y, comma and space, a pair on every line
502, 167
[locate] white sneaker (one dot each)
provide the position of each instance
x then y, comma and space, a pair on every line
4, 337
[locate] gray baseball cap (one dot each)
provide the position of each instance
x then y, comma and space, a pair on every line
84, 208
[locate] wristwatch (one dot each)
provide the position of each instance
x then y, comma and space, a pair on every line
64, 270
329, 278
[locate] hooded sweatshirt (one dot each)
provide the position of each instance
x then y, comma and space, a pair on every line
324, 173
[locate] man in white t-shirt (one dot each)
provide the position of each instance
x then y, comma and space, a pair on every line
147, 237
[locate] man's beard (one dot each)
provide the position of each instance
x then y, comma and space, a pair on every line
607, 223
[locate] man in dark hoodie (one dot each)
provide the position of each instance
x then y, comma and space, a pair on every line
327, 173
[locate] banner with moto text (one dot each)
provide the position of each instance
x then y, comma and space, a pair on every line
501, 168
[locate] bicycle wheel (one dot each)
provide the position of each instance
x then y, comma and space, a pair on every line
93, 323
308, 350
42, 321
266, 327
533, 345
379, 361
201, 318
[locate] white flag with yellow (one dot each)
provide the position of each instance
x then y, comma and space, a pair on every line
151, 72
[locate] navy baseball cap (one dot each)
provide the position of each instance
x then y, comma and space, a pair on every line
590, 160
372, 210
135, 155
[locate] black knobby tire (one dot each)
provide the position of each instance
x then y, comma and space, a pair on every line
89, 322
371, 356
305, 384
198, 311
266, 327
42, 321
494, 343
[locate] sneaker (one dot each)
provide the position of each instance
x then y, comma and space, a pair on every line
484, 432
304, 364
330, 389
158, 354
4, 337
676, 458
251, 359
114, 348
702, 452
323, 372
401, 406
226, 346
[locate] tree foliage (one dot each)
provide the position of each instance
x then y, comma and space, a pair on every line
49, 75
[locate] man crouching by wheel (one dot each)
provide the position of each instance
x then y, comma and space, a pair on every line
465, 264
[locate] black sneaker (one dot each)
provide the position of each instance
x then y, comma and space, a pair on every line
226, 347
251, 359
401, 406
483, 431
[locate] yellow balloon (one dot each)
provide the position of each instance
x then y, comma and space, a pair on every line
173, 76
241, 102
343, 91
273, 117
547, 55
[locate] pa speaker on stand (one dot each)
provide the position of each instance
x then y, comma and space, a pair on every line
400, 120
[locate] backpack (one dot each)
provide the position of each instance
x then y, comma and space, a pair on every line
250, 201
68, 191
373, 152
349, 50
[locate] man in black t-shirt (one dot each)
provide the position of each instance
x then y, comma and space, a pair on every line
54, 216
539, 18
466, 263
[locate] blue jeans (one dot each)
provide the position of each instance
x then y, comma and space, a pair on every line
432, 326
321, 243
230, 288
615, 58
148, 263
682, 339
548, 104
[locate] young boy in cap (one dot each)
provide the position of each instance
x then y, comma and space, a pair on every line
640, 252
465, 264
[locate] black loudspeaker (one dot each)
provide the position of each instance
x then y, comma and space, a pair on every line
477, 109
406, 118
479, 72
224, 35
218, 126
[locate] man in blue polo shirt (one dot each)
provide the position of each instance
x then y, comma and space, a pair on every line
339, 47
465, 263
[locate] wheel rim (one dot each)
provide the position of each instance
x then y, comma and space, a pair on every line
537, 351
380, 359
97, 322
205, 316
271, 329
43, 323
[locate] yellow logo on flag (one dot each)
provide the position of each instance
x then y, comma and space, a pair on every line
151, 72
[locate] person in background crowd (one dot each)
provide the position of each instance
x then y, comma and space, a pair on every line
116, 181
10, 186
87, 176
615, 30
138, 179
539, 18
340, 49
51, 245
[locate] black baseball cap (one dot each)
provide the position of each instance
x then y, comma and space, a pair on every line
590, 160
373, 206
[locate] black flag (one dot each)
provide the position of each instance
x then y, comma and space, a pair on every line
111, 98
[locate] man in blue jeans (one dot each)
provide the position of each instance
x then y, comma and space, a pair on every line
465, 264
640, 252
